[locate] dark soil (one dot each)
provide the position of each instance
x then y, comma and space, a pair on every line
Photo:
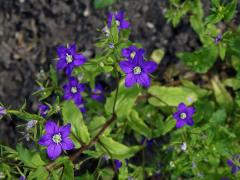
30, 30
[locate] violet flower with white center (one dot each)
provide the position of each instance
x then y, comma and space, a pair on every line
69, 58
184, 115
137, 70
131, 51
98, 93
43, 110
72, 91
56, 139
120, 20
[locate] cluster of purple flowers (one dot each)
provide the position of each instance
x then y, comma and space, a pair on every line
137, 70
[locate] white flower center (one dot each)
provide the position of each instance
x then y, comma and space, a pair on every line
69, 58
117, 22
73, 90
57, 138
132, 55
183, 115
137, 70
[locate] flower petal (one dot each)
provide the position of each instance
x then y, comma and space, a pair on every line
126, 52
61, 64
126, 66
230, 162
191, 111
54, 150
61, 51
65, 130
190, 121
180, 123
79, 59
130, 80
124, 24
182, 107
67, 144
176, 116
45, 140
150, 66
138, 59
51, 127
72, 48
144, 80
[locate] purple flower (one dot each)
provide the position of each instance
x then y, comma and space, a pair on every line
131, 51
218, 38
184, 115
119, 18
235, 168
69, 58
56, 139
98, 93
2, 111
22, 178
137, 70
118, 164
43, 110
72, 91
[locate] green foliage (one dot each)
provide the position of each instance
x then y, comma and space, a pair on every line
137, 126
71, 114
102, 3
201, 60
117, 150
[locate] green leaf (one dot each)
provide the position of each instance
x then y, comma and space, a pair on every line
157, 55
219, 117
171, 96
40, 173
25, 115
102, 3
222, 50
96, 124
71, 114
233, 83
106, 173
201, 60
68, 171
125, 101
230, 10
137, 124
29, 158
114, 32
117, 150
222, 96
169, 124
53, 75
